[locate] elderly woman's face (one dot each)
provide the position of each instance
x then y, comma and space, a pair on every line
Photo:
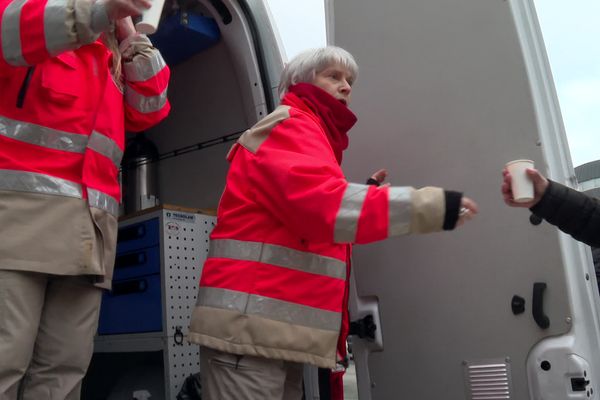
337, 81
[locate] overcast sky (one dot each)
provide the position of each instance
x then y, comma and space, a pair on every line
572, 35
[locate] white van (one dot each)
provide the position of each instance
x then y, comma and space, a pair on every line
449, 91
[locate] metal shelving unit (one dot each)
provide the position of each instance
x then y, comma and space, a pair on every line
182, 241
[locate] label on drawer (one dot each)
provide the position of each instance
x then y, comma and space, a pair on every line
182, 217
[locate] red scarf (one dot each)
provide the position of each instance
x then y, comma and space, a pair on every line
336, 119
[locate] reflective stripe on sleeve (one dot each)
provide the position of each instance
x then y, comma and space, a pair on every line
145, 104
107, 147
11, 34
143, 68
346, 222
38, 183
98, 199
278, 255
269, 308
400, 208
42, 136
55, 28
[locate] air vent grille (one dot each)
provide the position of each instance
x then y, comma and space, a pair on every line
488, 380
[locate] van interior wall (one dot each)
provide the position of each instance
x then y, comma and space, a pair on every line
206, 103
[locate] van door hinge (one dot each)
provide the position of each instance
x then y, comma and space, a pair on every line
364, 328
579, 384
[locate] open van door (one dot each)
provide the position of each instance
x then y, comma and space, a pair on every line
503, 308
216, 95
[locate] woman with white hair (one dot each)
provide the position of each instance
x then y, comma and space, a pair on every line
273, 293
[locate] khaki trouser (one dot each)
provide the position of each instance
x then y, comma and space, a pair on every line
47, 326
228, 376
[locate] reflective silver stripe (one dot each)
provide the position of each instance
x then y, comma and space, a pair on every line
38, 183
11, 34
145, 104
107, 147
56, 30
346, 222
143, 68
42, 136
278, 255
266, 307
399, 210
103, 201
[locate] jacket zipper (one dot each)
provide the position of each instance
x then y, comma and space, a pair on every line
24, 87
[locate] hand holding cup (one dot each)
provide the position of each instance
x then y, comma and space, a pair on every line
530, 196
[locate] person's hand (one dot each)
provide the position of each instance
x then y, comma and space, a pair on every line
540, 184
468, 210
379, 176
124, 28
119, 9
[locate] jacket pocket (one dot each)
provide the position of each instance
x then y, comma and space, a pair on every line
105, 241
62, 80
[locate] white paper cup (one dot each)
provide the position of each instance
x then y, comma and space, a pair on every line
148, 21
521, 185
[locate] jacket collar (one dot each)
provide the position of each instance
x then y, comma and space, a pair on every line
335, 118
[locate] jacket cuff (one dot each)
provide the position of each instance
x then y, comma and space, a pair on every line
372, 181
542, 207
136, 44
452, 208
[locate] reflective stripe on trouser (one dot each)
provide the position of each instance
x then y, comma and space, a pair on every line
399, 211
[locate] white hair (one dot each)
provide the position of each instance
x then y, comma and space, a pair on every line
306, 65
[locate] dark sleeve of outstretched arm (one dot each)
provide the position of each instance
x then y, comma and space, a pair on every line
572, 212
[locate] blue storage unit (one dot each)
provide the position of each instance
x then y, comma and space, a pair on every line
138, 236
134, 303
133, 306
180, 36
136, 263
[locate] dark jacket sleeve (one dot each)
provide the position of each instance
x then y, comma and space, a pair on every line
572, 212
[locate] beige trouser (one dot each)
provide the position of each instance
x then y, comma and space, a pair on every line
47, 328
228, 376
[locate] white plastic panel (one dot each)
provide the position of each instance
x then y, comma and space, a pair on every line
448, 92
185, 243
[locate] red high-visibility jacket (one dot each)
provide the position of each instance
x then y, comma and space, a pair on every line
62, 127
274, 283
